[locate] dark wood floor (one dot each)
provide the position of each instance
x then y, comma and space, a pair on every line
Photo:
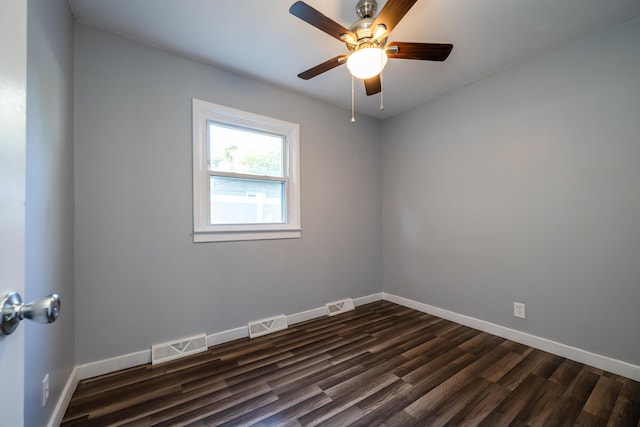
382, 364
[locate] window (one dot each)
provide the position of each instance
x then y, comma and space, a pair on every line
246, 171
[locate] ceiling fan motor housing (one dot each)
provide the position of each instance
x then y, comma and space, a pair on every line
366, 8
362, 29
364, 35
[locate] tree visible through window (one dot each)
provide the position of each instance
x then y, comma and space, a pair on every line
245, 151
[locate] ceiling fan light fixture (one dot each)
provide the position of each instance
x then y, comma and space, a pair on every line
367, 62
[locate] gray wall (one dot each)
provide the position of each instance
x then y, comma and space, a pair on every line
526, 186
139, 278
49, 210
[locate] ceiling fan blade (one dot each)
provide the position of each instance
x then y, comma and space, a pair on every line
325, 66
422, 51
392, 12
318, 20
373, 85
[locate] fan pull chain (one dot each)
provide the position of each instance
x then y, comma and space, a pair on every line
353, 101
381, 93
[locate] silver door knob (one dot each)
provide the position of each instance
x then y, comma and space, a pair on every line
42, 310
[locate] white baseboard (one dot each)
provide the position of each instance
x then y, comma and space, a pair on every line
64, 399
322, 311
106, 366
368, 299
573, 353
226, 336
118, 363
303, 316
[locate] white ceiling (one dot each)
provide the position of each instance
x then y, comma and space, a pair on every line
259, 38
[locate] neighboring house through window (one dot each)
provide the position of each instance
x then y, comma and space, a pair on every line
246, 175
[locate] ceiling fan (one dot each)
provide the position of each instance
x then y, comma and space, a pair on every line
366, 39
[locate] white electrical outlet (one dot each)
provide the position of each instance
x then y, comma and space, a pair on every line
518, 310
45, 390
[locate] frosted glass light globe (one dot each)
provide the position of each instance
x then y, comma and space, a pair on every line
367, 62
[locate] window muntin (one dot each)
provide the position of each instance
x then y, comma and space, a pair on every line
246, 181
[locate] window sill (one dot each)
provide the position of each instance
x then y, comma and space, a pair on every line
236, 236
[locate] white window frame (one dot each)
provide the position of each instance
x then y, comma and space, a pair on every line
203, 231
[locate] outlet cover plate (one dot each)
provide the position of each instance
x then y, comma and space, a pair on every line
518, 310
45, 390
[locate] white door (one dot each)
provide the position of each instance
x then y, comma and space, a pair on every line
13, 83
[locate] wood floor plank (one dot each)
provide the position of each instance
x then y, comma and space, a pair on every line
401, 419
541, 406
344, 418
505, 413
391, 407
284, 401
581, 387
498, 370
481, 406
630, 389
348, 394
379, 365
231, 413
431, 370
290, 415
522, 370
624, 412
450, 388
589, 420
566, 372
315, 374
379, 400
205, 407
481, 343
443, 413
547, 366
603, 398
432, 344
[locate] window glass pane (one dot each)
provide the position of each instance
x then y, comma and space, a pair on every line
240, 150
246, 201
